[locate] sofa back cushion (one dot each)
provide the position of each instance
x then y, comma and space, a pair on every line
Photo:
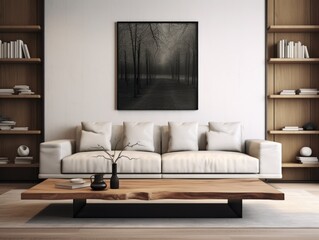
117, 137
95, 135
138, 136
202, 129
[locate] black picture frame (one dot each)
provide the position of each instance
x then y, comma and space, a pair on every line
157, 65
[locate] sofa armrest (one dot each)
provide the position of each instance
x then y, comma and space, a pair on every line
268, 153
52, 152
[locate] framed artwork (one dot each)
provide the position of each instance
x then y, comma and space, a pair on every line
157, 65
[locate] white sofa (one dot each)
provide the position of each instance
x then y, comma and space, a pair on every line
261, 159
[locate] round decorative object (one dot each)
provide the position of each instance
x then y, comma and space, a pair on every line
309, 126
23, 151
305, 152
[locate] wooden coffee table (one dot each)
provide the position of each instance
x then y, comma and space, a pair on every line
147, 191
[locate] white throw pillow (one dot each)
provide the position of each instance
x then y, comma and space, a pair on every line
94, 134
224, 136
141, 133
183, 136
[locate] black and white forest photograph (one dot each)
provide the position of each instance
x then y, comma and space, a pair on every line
157, 65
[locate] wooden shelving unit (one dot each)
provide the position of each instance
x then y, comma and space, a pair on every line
22, 20
294, 20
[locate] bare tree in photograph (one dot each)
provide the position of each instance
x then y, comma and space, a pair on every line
157, 65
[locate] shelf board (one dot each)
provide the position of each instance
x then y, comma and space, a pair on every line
304, 132
20, 28
12, 165
293, 28
34, 96
300, 165
20, 60
293, 60
277, 96
16, 132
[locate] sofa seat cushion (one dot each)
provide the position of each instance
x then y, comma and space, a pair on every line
209, 162
88, 162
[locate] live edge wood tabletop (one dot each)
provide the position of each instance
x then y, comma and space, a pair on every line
156, 189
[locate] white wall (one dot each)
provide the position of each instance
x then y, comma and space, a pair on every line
80, 61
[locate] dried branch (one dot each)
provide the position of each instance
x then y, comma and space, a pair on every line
111, 157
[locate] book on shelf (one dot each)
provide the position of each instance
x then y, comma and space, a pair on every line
4, 160
20, 128
23, 160
292, 128
5, 128
307, 160
287, 92
307, 91
291, 49
70, 185
6, 91
22, 90
14, 49
7, 123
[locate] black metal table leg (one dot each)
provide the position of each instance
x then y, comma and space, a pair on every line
237, 206
78, 205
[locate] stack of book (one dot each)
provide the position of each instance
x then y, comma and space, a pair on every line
307, 160
288, 92
6, 91
292, 128
14, 49
6, 123
291, 49
71, 185
22, 90
307, 91
23, 160
4, 160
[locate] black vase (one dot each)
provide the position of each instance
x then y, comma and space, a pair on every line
97, 184
114, 181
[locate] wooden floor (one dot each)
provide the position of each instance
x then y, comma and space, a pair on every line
171, 234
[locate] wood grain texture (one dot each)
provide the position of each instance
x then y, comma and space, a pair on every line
293, 28
155, 189
293, 96
20, 28
300, 165
161, 234
291, 60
